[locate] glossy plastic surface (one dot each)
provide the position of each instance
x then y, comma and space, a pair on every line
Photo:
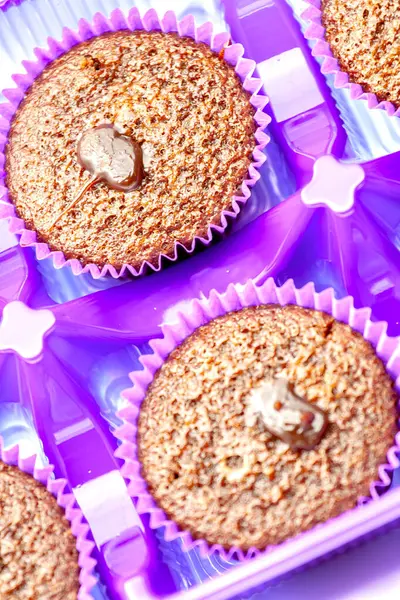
63, 367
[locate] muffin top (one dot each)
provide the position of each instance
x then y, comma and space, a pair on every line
365, 38
38, 553
179, 101
209, 457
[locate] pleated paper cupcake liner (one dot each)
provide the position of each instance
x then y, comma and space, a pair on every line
66, 500
202, 311
233, 55
330, 65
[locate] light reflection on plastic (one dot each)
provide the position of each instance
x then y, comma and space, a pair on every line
246, 8
291, 86
72, 431
107, 506
7, 239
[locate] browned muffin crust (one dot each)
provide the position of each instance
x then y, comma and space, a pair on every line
38, 553
178, 99
364, 36
237, 485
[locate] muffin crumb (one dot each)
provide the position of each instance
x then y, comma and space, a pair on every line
365, 39
38, 554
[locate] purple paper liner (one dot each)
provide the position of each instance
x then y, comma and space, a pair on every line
233, 54
199, 312
66, 500
330, 65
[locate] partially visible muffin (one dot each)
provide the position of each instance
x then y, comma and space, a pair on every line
207, 454
38, 555
364, 36
180, 101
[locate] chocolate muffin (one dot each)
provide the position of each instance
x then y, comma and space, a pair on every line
187, 133
365, 39
38, 553
264, 423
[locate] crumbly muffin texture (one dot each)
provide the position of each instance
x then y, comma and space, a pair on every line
236, 485
38, 555
185, 106
364, 36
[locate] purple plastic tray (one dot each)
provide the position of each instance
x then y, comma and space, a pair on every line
326, 210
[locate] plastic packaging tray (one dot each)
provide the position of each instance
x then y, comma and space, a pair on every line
68, 343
